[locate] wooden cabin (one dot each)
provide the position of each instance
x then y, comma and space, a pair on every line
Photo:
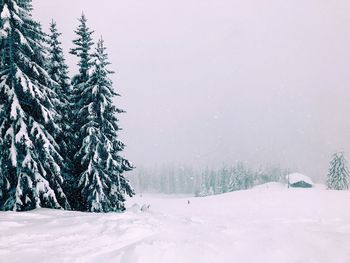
298, 180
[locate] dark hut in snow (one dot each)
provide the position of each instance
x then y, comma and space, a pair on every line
299, 180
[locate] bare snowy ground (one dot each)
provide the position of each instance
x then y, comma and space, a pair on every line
267, 224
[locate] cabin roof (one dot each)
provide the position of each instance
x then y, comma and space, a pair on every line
297, 177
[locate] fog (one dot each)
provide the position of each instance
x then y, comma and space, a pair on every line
206, 82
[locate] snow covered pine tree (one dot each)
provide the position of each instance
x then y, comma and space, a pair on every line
58, 71
30, 174
338, 175
102, 185
83, 44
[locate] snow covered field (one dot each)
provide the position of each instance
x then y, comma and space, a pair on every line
267, 224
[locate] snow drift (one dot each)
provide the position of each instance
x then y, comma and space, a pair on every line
267, 224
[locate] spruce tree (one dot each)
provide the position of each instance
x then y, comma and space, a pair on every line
82, 49
29, 155
338, 175
83, 44
102, 185
58, 71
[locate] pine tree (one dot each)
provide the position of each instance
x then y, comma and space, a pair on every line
58, 71
102, 184
338, 175
29, 156
224, 179
82, 49
83, 44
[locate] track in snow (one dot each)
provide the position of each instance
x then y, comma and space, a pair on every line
266, 224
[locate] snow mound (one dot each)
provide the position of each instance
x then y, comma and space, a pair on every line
285, 225
297, 177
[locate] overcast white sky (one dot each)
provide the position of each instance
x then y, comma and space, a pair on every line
212, 81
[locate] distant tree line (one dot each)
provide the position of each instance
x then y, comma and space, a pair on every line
186, 180
227, 178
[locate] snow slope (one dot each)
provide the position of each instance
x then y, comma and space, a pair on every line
266, 224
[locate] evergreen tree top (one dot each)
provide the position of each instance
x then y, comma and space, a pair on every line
83, 44
54, 33
57, 67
